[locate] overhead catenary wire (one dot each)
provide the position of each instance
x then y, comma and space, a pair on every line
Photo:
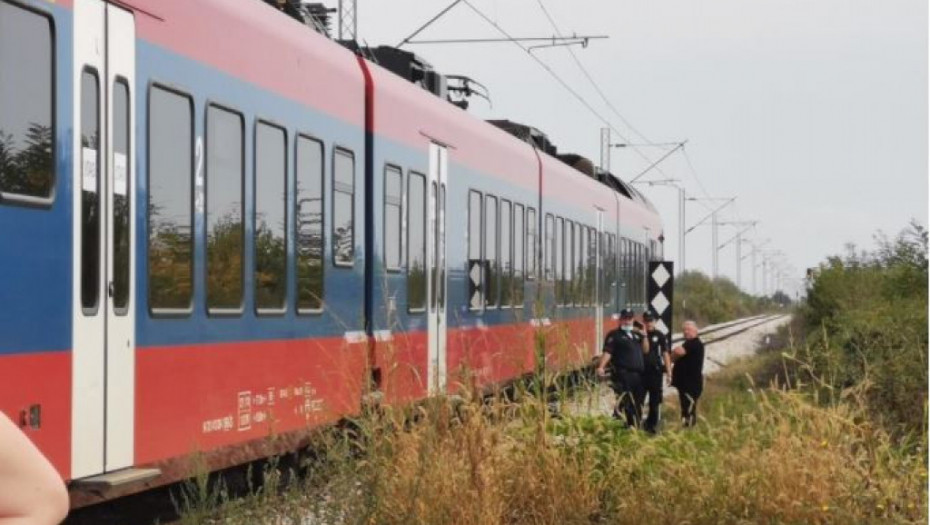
614, 109
598, 90
584, 101
551, 72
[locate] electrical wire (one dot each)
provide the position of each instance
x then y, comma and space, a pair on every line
597, 88
551, 72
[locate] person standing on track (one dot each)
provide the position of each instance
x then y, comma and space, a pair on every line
624, 349
657, 362
688, 373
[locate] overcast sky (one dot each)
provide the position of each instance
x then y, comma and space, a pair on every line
812, 113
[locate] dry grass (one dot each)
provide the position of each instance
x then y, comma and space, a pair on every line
760, 455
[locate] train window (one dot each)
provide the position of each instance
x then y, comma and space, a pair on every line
631, 270
441, 248
568, 266
343, 208
506, 254
609, 261
583, 264
621, 272
434, 237
491, 285
27, 108
416, 242
519, 260
393, 204
90, 191
559, 260
549, 248
603, 241
171, 175
270, 218
578, 284
122, 187
308, 221
225, 229
531, 243
475, 289
591, 278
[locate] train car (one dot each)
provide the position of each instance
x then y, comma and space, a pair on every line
220, 226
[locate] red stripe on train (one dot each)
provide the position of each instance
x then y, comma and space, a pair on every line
43, 380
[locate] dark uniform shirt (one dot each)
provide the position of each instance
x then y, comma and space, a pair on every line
658, 347
626, 350
689, 368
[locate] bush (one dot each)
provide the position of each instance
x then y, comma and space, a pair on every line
866, 323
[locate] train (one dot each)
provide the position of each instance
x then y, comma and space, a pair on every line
219, 225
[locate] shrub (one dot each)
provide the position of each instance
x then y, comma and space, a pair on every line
866, 323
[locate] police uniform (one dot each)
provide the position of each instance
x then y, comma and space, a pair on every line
626, 368
652, 376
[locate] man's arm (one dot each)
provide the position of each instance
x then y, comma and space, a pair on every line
678, 352
644, 340
602, 365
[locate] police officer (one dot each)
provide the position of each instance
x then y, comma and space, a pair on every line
624, 349
657, 362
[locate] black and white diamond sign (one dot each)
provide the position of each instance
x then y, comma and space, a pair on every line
659, 292
477, 269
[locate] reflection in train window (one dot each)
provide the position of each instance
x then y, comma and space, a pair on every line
505, 254
416, 242
26, 104
393, 202
490, 252
90, 191
171, 176
549, 248
519, 260
531, 249
270, 219
308, 220
225, 238
121, 191
343, 208
475, 277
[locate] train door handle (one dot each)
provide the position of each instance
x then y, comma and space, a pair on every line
110, 288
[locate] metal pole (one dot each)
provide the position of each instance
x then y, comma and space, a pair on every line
605, 149
681, 230
714, 240
764, 275
739, 265
755, 289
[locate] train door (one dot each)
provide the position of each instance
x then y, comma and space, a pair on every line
103, 365
598, 285
436, 257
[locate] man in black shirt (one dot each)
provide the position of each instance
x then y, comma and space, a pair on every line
657, 362
623, 350
688, 374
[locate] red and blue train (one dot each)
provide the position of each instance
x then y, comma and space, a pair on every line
218, 225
